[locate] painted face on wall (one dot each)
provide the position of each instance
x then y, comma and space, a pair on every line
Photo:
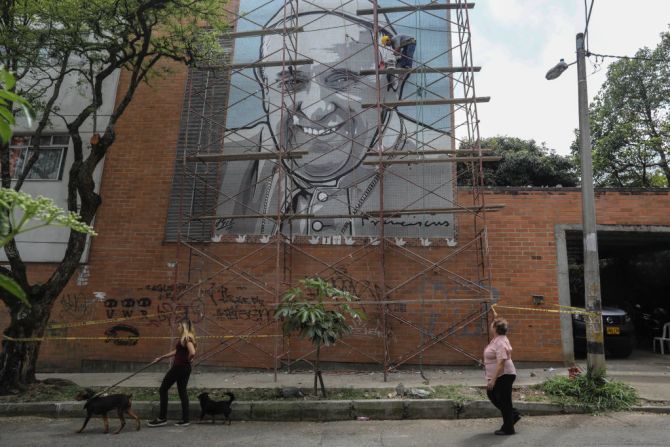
326, 119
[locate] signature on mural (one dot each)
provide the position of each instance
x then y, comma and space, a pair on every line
323, 109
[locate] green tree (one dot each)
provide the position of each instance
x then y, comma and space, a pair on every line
630, 121
7, 102
523, 163
317, 311
47, 42
18, 211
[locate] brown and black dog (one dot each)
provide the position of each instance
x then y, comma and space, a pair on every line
101, 405
213, 407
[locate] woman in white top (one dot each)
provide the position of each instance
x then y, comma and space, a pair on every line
500, 375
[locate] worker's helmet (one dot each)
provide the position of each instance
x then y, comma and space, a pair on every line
386, 40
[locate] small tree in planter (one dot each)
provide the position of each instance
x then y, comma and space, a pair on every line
317, 311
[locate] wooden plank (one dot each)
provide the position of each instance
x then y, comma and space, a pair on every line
429, 152
454, 210
426, 102
363, 214
263, 32
420, 69
411, 161
259, 64
410, 8
244, 156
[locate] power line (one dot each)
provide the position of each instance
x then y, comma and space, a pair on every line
588, 19
639, 58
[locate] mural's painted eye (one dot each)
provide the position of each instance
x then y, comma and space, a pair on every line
292, 84
292, 81
340, 79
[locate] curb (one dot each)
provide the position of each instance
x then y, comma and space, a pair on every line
319, 411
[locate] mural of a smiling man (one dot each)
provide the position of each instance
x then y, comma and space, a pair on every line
322, 115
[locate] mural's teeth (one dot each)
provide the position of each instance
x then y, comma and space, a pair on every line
317, 132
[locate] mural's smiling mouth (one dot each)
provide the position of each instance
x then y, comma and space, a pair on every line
315, 129
319, 131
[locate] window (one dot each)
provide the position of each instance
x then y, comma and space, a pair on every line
50, 162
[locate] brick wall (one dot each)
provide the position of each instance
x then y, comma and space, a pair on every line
133, 272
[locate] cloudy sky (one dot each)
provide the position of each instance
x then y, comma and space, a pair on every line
517, 41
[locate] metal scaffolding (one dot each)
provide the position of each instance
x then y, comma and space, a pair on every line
320, 155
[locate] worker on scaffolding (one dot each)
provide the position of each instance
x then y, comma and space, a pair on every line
403, 47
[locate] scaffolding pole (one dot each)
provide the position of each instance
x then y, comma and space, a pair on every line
284, 160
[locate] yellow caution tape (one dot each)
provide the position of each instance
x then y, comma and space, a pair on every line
562, 310
568, 310
106, 321
131, 338
576, 309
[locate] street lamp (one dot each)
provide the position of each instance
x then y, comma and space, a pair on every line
558, 70
595, 348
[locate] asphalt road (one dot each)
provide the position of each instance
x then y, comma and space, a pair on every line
619, 429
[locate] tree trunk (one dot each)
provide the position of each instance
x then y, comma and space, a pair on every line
18, 359
316, 369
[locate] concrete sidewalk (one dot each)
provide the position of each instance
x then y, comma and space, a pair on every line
648, 373
303, 378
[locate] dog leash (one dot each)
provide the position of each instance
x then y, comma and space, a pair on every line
124, 379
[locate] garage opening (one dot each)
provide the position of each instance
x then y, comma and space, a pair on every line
634, 282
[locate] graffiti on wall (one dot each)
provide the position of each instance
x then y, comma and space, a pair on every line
162, 304
76, 306
127, 307
120, 333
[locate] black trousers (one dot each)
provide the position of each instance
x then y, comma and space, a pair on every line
179, 374
501, 397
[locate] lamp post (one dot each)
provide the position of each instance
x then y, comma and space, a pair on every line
595, 348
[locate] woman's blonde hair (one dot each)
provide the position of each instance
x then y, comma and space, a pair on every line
188, 331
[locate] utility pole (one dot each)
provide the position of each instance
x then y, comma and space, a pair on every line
595, 348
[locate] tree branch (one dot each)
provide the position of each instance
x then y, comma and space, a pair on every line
44, 120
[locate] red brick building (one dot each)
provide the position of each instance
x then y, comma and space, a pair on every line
132, 273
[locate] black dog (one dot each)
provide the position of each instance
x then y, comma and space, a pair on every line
213, 407
101, 405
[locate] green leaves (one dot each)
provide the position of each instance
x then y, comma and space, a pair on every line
630, 118
20, 213
8, 100
317, 311
523, 163
12, 287
593, 391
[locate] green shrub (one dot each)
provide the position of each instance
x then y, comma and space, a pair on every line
592, 391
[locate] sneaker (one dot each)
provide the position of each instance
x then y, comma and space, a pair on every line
182, 424
157, 422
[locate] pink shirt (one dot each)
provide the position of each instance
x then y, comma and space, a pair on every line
498, 349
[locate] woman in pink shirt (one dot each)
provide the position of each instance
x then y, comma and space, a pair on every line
500, 375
